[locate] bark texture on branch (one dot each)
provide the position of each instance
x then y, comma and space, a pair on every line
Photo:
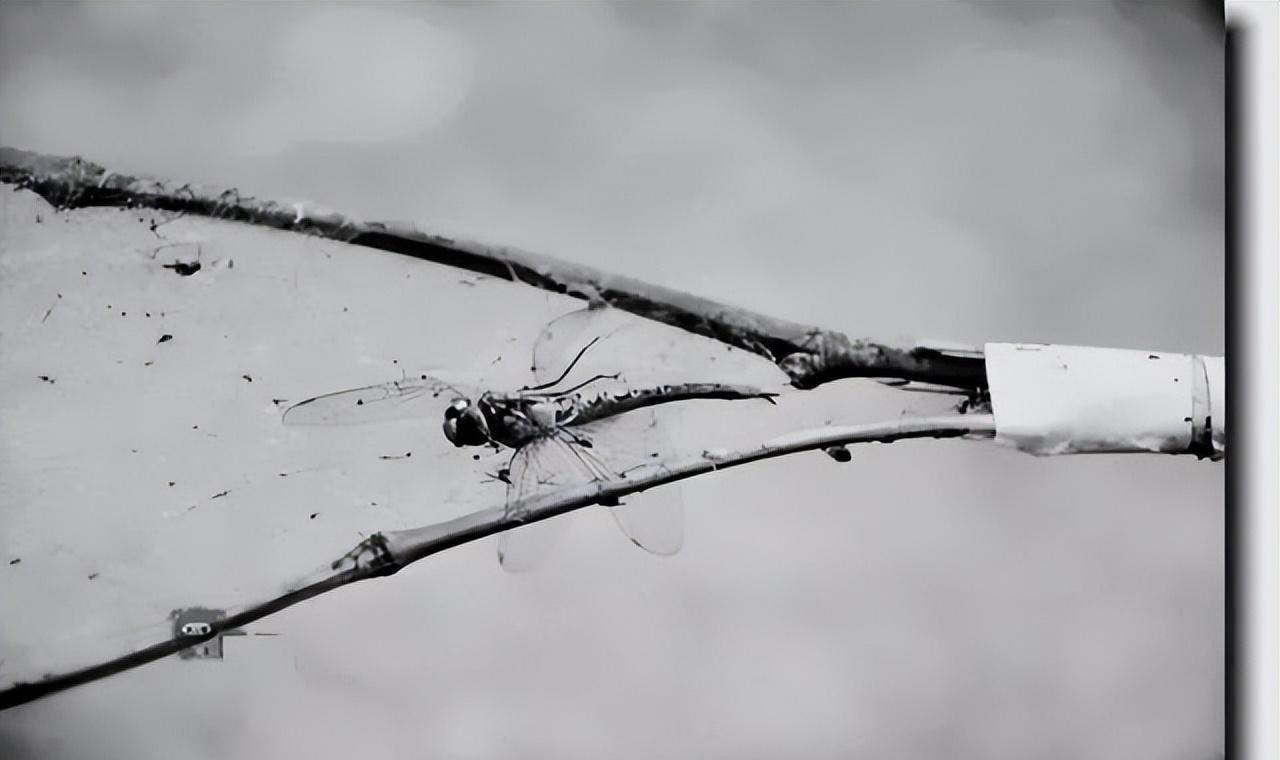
809, 355
384, 554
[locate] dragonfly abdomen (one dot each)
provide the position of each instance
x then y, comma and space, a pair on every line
608, 404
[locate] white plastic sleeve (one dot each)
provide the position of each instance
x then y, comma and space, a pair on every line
1048, 399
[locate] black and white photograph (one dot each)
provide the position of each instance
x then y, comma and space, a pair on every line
615, 379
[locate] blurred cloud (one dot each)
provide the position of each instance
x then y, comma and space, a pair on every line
354, 75
977, 143
241, 86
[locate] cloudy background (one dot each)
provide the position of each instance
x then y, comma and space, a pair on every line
970, 171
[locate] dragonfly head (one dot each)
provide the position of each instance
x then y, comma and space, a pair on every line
465, 424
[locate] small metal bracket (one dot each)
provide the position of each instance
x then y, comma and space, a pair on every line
195, 622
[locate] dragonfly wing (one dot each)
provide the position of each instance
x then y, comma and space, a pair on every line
644, 352
601, 341
654, 519
522, 549
558, 344
536, 468
402, 399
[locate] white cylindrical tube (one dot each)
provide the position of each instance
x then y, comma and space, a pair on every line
1049, 399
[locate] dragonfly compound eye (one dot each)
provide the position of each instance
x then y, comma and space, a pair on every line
467, 427
451, 429
455, 408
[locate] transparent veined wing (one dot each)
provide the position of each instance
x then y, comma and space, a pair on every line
604, 450
619, 446
423, 396
591, 345
537, 467
644, 354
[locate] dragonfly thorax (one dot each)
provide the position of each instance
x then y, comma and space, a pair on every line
517, 420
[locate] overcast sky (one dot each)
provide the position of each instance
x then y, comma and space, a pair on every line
971, 171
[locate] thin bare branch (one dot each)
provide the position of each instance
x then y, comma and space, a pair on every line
384, 554
809, 355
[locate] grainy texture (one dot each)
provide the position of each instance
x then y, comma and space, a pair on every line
382, 555
975, 172
809, 355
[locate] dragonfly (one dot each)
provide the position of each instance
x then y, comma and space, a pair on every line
577, 422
